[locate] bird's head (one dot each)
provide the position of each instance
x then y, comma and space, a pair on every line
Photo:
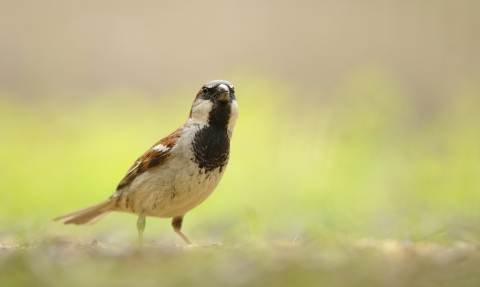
215, 104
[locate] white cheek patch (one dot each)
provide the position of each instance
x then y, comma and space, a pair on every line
160, 148
200, 110
233, 114
233, 118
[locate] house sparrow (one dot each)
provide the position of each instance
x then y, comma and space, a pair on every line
180, 171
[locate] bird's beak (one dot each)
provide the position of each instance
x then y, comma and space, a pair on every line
223, 93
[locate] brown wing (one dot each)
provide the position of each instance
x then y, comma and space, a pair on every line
155, 156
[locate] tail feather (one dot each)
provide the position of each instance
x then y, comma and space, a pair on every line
89, 215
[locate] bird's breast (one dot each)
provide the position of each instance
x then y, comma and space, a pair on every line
211, 148
178, 185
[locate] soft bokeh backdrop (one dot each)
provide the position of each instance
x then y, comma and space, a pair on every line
356, 119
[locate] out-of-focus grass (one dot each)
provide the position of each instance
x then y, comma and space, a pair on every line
331, 263
307, 182
368, 163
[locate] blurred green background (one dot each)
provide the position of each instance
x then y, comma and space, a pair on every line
357, 120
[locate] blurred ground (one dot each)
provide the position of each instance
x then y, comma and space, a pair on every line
339, 263
357, 120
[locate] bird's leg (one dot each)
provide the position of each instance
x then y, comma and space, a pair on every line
141, 222
177, 226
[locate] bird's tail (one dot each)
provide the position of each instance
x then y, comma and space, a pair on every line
89, 215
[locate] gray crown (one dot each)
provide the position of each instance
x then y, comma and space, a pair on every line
215, 83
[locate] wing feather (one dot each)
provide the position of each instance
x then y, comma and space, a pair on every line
151, 158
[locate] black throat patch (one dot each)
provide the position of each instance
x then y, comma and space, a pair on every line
211, 145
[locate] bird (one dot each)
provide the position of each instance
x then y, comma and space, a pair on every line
178, 172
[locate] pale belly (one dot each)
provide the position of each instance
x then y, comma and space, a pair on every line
168, 191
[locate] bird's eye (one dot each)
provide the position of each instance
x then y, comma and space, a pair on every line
204, 90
